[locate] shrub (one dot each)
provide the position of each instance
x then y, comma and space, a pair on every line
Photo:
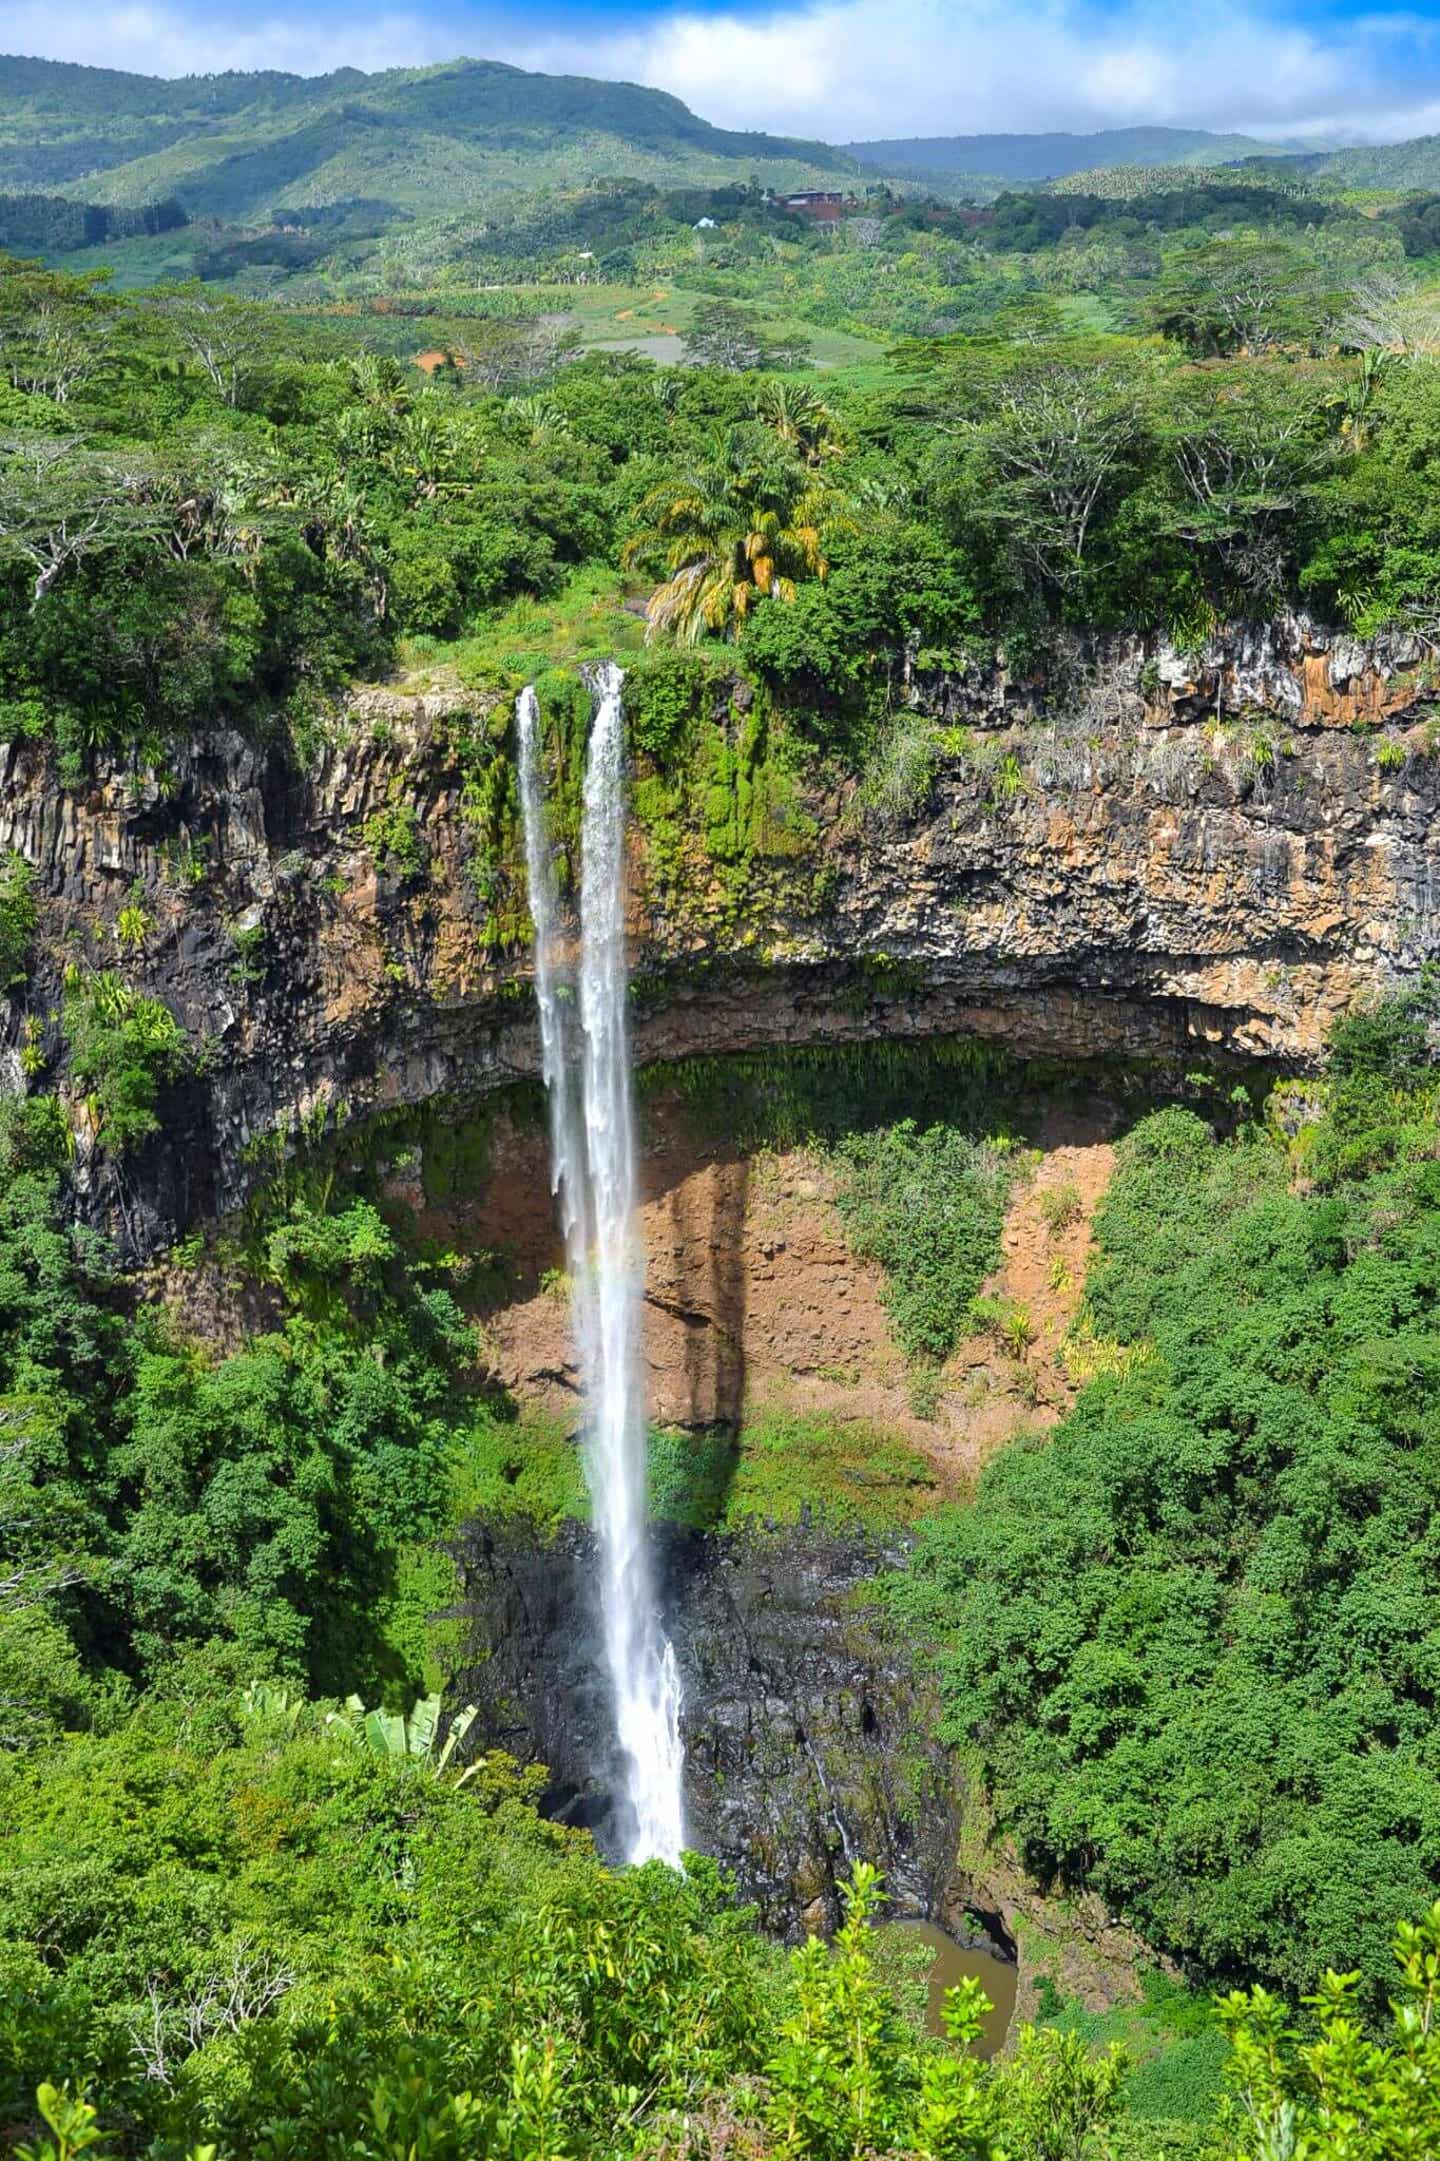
665, 694
899, 773
124, 1049
1007, 1320
1134, 1618
1060, 1207
393, 837
19, 917
929, 1206
1389, 1038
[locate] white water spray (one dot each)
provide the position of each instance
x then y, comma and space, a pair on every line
552, 994
593, 1173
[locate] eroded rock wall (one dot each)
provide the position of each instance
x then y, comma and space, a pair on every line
1132, 852
809, 1734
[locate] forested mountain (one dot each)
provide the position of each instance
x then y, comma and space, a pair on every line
1413, 164
425, 138
1050, 157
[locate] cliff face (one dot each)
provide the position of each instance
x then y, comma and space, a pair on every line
808, 1733
809, 1736
1134, 853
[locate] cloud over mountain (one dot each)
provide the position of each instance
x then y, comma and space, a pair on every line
843, 69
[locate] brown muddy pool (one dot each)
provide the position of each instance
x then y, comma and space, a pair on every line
953, 1962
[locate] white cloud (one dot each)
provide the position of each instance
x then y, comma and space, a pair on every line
181, 40
852, 68
841, 69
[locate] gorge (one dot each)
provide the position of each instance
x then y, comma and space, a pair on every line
1149, 895
719, 1137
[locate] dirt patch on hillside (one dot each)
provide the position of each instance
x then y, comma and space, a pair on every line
754, 1299
998, 1383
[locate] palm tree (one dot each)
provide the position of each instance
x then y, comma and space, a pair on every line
540, 418
799, 416
744, 525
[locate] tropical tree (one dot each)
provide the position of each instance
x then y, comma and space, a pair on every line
723, 334
61, 502
1244, 294
799, 416
1329, 2087
56, 332
1244, 444
226, 339
415, 1734
1051, 455
538, 419
746, 524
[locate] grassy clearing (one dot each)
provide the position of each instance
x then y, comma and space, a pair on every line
651, 317
589, 618
1173, 2042
131, 265
786, 1468
782, 1469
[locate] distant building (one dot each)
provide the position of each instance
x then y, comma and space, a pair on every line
825, 203
704, 225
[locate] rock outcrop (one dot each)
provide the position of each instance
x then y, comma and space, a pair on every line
809, 1733
1132, 853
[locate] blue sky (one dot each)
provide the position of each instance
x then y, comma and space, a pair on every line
839, 68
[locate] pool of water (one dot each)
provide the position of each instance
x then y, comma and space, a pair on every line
953, 1962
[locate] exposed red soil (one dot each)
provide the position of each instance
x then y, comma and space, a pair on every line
753, 1297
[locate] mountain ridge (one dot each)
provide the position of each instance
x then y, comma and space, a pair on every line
1052, 155
238, 145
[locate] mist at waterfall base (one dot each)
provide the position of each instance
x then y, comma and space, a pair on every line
592, 1152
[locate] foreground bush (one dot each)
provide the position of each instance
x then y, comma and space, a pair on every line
252, 1928
320, 1941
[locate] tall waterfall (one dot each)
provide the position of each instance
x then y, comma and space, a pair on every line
554, 997
592, 1142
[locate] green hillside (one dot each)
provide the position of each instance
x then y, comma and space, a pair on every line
1050, 157
233, 146
1414, 164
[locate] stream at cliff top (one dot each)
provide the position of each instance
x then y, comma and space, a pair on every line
955, 1962
592, 1131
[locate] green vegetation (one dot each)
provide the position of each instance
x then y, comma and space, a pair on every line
53, 225
436, 1971
780, 1470
741, 528
1196, 402
827, 1093
124, 1049
264, 1505
257, 1896
311, 1946
462, 134
929, 1207
784, 1469
265, 1919
1320, 2087
319, 1946
1192, 1634
19, 917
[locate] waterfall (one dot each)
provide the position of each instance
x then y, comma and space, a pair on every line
553, 995
593, 1174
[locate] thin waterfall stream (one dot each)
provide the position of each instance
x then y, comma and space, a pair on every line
589, 1088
